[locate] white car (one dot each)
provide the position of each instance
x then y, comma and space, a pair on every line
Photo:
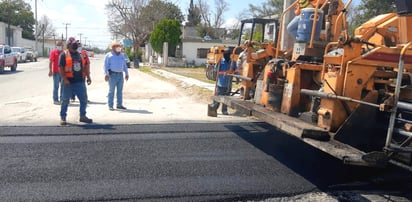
20, 53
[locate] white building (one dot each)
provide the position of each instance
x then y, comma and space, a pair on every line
17, 40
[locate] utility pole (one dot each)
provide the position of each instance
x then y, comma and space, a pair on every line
42, 30
35, 35
80, 39
65, 24
85, 41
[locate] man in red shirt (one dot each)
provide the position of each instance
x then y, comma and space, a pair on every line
54, 71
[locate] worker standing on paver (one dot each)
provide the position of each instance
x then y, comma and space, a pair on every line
224, 81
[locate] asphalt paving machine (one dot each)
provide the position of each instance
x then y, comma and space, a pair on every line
349, 96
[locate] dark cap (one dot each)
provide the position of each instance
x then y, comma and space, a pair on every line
70, 40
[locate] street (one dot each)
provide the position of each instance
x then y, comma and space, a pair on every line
162, 148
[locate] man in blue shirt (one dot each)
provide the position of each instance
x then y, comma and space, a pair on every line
114, 66
224, 82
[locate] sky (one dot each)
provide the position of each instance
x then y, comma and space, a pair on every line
86, 20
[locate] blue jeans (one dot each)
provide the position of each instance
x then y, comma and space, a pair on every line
79, 89
56, 85
293, 26
115, 81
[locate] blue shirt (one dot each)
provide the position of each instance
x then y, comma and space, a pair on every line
224, 80
116, 63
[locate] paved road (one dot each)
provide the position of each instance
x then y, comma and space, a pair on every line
184, 162
163, 148
27, 99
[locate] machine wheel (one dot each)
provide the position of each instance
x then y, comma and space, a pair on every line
210, 72
14, 66
1, 68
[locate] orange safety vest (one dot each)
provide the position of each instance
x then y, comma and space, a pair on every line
68, 69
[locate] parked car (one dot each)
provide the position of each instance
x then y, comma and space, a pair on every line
31, 54
90, 52
7, 58
20, 53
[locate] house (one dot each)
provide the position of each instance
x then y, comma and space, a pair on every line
194, 49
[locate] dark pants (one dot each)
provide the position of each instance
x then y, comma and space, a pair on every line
220, 91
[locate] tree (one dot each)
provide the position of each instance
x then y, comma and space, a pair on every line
194, 18
135, 19
159, 10
167, 30
211, 20
45, 28
269, 8
368, 9
18, 13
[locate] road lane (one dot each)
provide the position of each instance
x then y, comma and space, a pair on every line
143, 162
175, 161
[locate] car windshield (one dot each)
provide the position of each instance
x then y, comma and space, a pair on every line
15, 49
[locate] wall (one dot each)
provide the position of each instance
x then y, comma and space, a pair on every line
21, 42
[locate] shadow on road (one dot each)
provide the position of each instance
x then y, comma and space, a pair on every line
11, 72
321, 169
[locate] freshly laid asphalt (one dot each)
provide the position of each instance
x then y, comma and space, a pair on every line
158, 150
170, 162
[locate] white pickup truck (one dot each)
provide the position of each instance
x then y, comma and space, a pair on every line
31, 54
20, 53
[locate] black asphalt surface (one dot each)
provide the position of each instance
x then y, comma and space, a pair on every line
173, 162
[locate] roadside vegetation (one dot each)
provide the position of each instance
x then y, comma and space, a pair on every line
199, 93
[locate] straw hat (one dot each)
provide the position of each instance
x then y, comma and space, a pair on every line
115, 43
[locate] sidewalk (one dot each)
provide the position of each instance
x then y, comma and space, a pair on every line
186, 80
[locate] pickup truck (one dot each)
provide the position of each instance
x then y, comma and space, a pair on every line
7, 58
31, 55
20, 53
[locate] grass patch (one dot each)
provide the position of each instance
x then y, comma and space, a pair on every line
192, 72
199, 93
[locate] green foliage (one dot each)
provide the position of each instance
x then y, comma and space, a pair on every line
369, 9
18, 13
203, 30
158, 10
167, 30
129, 53
257, 35
268, 8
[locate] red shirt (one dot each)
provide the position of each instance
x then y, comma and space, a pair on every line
86, 58
54, 58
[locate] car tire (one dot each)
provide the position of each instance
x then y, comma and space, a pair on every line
13, 68
1, 68
35, 59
